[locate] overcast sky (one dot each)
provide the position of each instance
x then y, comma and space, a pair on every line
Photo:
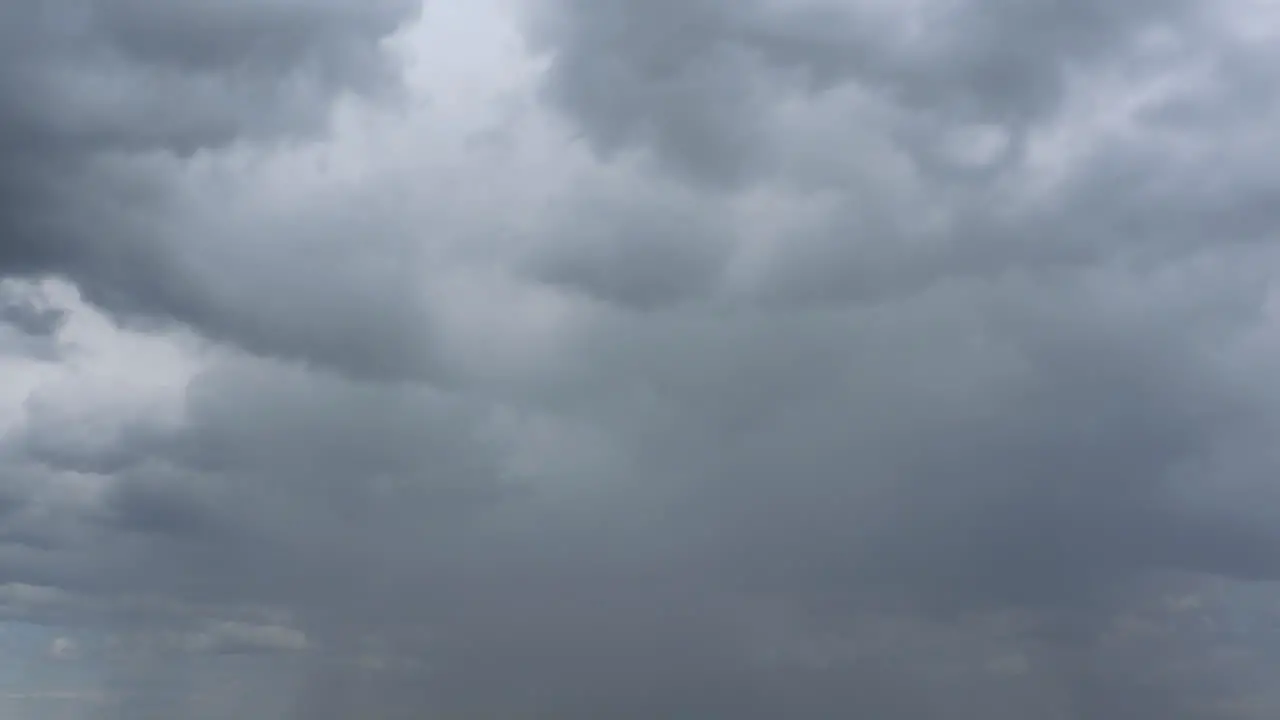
576, 359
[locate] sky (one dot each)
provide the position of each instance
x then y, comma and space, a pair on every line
567, 359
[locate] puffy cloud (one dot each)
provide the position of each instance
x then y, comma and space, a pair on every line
636, 358
104, 102
699, 82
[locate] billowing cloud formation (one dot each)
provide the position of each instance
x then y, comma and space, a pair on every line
634, 358
104, 102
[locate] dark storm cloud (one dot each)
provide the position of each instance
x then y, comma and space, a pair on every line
165, 511
1038, 442
28, 317
695, 81
964, 447
999, 410
91, 89
841, 409
185, 76
698, 86
667, 74
29, 324
273, 462
634, 248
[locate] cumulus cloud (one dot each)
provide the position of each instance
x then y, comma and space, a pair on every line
635, 358
107, 104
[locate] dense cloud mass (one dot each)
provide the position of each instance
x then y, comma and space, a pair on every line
639, 358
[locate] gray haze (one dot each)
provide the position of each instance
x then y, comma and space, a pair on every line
641, 358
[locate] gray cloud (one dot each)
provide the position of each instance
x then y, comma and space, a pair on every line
187, 76
28, 322
242, 638
633, 247
694, 81
29, 317
863, 359
96, 96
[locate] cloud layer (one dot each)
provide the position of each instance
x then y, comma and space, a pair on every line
635, 358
